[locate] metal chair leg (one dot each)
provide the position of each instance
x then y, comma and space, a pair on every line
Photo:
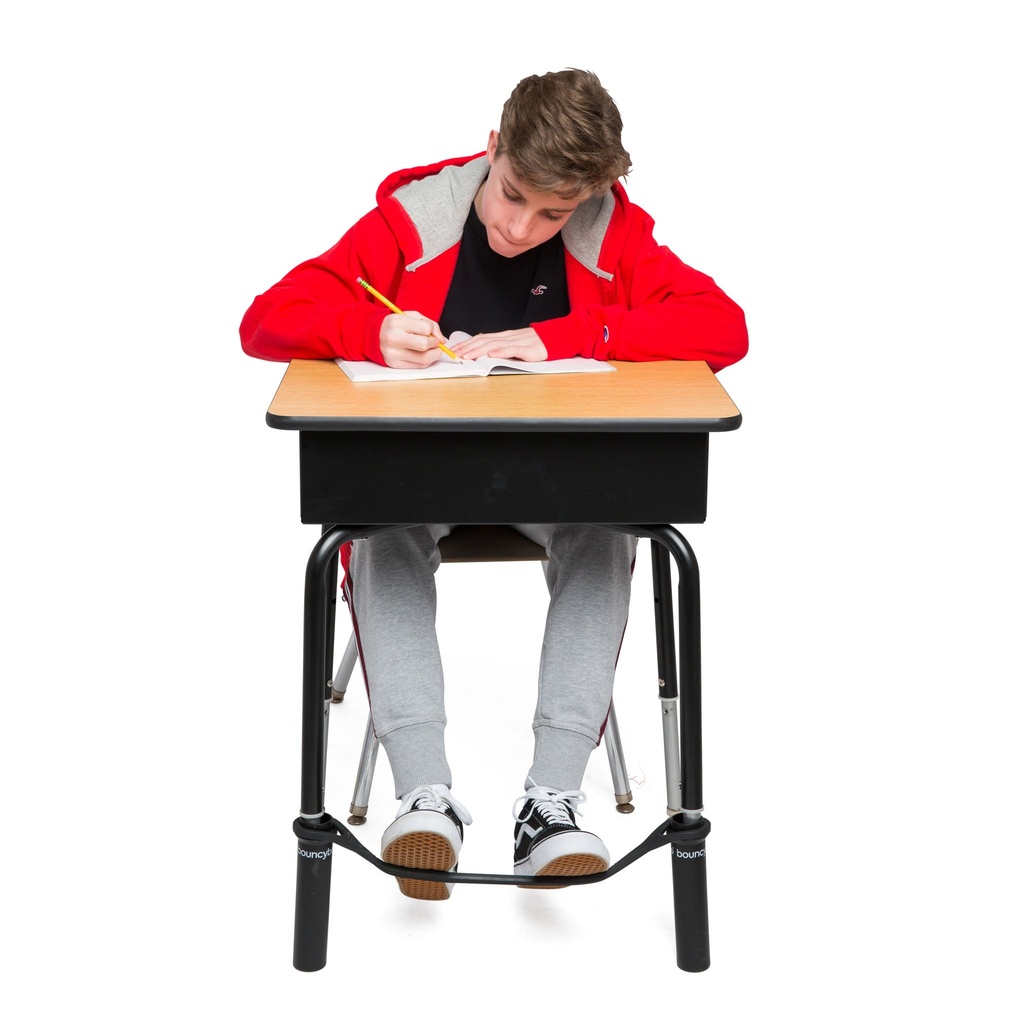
617, 763
368, 756
339, 684
364, 776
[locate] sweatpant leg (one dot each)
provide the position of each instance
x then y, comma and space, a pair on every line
391, 593
589, 573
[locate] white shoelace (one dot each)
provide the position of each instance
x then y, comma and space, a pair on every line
552, 805
434, 798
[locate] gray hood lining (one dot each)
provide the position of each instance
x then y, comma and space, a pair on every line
439, 205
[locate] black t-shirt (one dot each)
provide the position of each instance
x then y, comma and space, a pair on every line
490, 292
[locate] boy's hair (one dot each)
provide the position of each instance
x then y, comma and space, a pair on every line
562, 133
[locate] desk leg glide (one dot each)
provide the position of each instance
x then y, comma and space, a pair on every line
690, 893
313, 900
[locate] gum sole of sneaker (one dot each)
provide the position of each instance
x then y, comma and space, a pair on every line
570, 865
424, 850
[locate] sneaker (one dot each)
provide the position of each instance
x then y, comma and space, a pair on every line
426, 834
547, 839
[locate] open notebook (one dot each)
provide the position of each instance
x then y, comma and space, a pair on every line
482, 367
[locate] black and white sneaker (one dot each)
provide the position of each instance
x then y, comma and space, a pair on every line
547, 839
427, 834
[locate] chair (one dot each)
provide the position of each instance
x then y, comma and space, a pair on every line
470, 544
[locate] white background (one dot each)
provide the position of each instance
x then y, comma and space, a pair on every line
850, 174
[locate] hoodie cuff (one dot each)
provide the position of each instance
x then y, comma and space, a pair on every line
370, 336
569, 336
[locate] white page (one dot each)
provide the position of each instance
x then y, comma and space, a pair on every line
365, 371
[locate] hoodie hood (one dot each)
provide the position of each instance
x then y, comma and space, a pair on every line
426, 208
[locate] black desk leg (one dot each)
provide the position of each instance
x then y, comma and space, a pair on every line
690, 827
313, 869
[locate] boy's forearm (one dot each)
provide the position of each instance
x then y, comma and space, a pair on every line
690, 319
317, 311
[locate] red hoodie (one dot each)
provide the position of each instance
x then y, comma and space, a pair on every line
630, 298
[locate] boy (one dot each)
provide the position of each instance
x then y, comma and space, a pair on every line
533, 249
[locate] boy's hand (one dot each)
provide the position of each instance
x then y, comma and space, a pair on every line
523, 344
408, 340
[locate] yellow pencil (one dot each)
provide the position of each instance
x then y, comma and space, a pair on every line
394, 309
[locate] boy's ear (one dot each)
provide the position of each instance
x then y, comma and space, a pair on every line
492, 146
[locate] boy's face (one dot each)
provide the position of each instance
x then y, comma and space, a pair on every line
516, 218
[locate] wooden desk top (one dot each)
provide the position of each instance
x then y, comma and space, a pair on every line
659, 396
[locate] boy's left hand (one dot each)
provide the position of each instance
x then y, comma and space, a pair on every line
523, 344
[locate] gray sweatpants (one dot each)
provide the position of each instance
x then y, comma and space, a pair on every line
390, 588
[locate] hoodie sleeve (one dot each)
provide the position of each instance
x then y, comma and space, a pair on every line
317, 310
656, 307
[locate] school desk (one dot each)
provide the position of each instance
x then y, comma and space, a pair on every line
626, 450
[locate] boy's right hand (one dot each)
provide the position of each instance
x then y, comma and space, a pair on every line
409, 340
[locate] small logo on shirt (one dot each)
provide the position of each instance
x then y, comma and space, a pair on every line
539, 290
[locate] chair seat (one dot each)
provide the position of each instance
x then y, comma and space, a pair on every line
489, 544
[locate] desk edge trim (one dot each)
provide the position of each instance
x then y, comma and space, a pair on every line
371, 424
